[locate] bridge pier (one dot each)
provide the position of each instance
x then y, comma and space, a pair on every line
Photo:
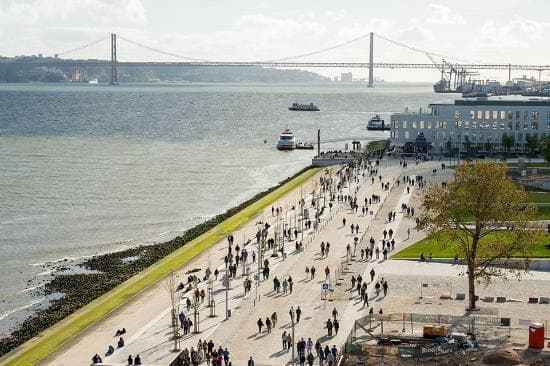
114, 78
371, 61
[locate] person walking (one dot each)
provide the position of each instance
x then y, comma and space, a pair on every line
312, 271
309, 345
334, 313
298, 314
260, 325
327, 272
385, 287
268, 325
310, 359
372, 273
336, 325
250, 361
329, 328
283, 339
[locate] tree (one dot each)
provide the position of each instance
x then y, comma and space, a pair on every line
507, 142
487, 145
467, 145
482, 215
532, 143
545, 148
449, 147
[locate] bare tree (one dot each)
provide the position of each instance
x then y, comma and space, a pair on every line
171, 284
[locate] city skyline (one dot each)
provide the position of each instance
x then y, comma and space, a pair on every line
246, 30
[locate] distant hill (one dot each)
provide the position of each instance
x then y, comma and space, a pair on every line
20, 73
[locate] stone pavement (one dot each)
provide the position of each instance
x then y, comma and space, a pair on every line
147, 316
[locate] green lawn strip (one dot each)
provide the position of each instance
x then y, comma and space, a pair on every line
538, 197
530, 165
47, 341
431, 244
377, 145
543, 213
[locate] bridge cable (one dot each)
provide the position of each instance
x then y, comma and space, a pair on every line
76, 49
162, 52
321, 50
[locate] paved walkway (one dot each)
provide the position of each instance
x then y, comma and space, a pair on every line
147, 317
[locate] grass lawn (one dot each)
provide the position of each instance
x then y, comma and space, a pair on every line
530, 165
538, 197
377, 145
430, 244
46, 342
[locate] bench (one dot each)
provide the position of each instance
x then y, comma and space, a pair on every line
533, 300
501, 299
488, 299
460, 296
544, 300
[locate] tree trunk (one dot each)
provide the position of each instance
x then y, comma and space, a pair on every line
471, 285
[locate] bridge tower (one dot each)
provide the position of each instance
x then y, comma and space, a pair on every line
114, 78
371, 66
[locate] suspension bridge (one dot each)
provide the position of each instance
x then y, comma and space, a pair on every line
458, 69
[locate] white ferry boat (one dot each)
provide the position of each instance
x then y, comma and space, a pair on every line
377, 124
287, 141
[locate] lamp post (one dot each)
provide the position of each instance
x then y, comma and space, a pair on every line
196, 304
261, 243
292, 314
226, 260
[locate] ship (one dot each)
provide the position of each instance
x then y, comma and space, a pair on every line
304, 146
304, 107
287, 141
377, 124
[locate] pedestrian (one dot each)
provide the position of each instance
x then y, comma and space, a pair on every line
344, 222
260, 325
307, 272
385, 287
283, 339
353, 280
377, 253
356, 228
329, 328
321, 355
334, 313
330, 359
310, 359
377, 288
130, 360
362, 253
251, 362
408, 233
268, 325
309, 345
372, 273
322, 249
327, 272
312, 271
298, 314
336, 325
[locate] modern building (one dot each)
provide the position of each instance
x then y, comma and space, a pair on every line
480, 123
346, 77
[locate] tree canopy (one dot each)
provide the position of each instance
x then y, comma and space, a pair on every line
482, 200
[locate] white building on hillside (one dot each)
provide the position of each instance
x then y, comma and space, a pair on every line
479, 121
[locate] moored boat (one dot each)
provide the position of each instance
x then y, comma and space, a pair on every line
287, 141
304, 146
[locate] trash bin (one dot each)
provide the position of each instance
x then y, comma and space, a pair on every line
536, 335
229, 316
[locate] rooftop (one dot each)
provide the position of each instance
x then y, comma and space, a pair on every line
504, 100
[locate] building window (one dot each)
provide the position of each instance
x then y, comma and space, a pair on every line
479, 114
534, 125
510, 115
495, 125
502, 115
457, 115
518, 115
434, 135
548, 124
510, 125
487, 114
474, 125
535, 115
406, 135
547, 115
421, 125
472, 115
396, 134
502, 125
394, 124
458, 124
525, 125
466, 125
429, 124
495, 114
518, 123
435, 111
404, 124
525, 114
414, 124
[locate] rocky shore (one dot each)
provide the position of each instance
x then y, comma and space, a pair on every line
104, 272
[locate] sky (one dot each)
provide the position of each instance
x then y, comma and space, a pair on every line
505, 31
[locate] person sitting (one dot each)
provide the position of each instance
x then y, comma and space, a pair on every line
137, 360
110, 350
120, 342
96, 359
422, 258
120, 332
180, 287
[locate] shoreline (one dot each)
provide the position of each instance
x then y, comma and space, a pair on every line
111, 270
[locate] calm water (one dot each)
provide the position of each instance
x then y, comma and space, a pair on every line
89, 168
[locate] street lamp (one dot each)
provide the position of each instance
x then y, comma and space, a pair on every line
292, 314
226, 260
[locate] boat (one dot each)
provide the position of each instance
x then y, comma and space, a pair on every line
304, 146
287, 141
377, 124
303, 107
93, 81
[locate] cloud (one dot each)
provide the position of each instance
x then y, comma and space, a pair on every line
441, 14
72, 12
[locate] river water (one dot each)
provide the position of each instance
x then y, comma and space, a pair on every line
86, 169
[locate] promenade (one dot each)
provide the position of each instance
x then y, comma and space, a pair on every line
147, 316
